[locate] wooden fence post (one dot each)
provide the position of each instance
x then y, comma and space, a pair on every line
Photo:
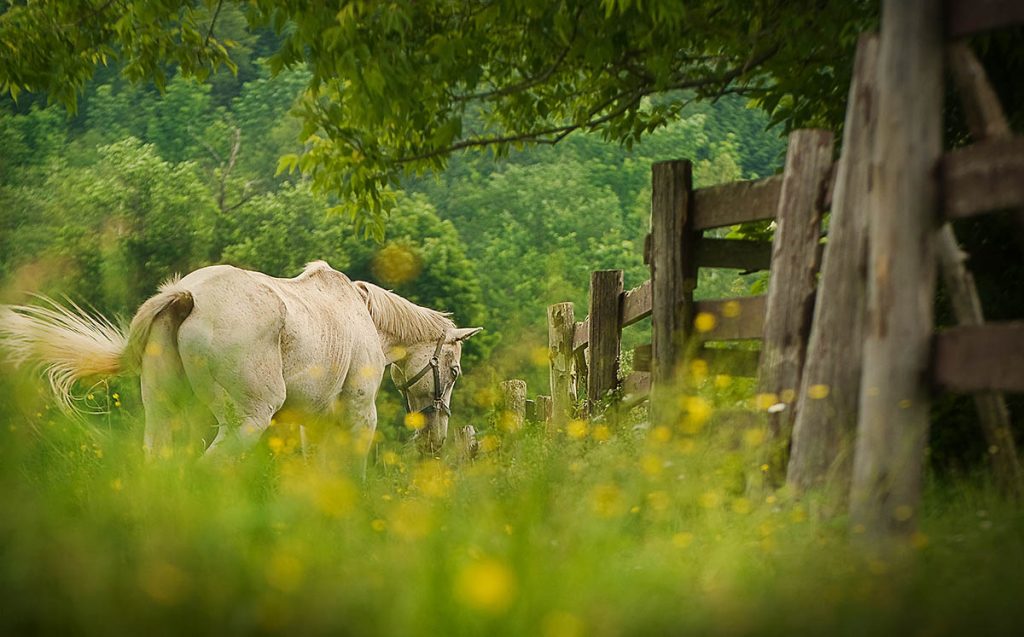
894, 403
582, 358
673, 270
605, 334
513, 404
562, 364
544, 411
792, 280
826, 414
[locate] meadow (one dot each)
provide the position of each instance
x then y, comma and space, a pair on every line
603, 528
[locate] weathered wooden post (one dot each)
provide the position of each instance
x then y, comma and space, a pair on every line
562, 364
581, 357
544, 410
673, 271
826, 414
790, 301
894, 404
513, 404
605, 334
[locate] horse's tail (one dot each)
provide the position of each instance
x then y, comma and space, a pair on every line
172, 296
72, 344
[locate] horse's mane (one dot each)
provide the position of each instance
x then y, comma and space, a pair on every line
403, 319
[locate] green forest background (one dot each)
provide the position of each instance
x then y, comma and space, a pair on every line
104, 204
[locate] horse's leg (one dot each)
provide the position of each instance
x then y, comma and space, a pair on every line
363, 420
166, 394
243, 390
249, 402
358, 406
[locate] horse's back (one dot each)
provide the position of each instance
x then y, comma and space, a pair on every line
316, 323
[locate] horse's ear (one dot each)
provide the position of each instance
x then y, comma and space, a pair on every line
462, 333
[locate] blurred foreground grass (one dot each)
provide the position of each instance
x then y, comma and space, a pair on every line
592, 532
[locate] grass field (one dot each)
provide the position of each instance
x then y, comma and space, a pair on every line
593, 531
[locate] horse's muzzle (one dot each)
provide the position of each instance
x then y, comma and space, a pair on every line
430, 439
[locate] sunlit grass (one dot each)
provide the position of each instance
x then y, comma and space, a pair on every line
603, 528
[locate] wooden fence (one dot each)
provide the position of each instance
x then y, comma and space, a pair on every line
865, 358
588, 352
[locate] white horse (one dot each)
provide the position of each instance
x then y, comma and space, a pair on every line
245, 345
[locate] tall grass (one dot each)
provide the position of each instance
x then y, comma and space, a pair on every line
598, 530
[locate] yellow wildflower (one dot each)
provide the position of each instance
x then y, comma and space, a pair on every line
415, 420
704, 322
818, 392
577, 429
487, 585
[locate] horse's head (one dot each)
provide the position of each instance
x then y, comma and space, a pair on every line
426, 376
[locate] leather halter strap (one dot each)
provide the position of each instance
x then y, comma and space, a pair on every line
434, 364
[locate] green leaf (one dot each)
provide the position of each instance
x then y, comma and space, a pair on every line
287, 162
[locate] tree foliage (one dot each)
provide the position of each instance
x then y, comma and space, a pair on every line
394, 88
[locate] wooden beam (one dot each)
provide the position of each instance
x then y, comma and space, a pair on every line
732, 362
983, 177
561, 363
605, 334
739, 254
673, 272
642, 358
985, 117
636, 305
967, 17
792, 280
826, 414
980, 357
736, 202
637, 383
734, 319
581, 334
636, 388
903, 210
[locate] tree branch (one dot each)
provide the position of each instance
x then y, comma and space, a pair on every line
531, 81
213, 22
555, 134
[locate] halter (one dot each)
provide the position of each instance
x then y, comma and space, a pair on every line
438, 405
